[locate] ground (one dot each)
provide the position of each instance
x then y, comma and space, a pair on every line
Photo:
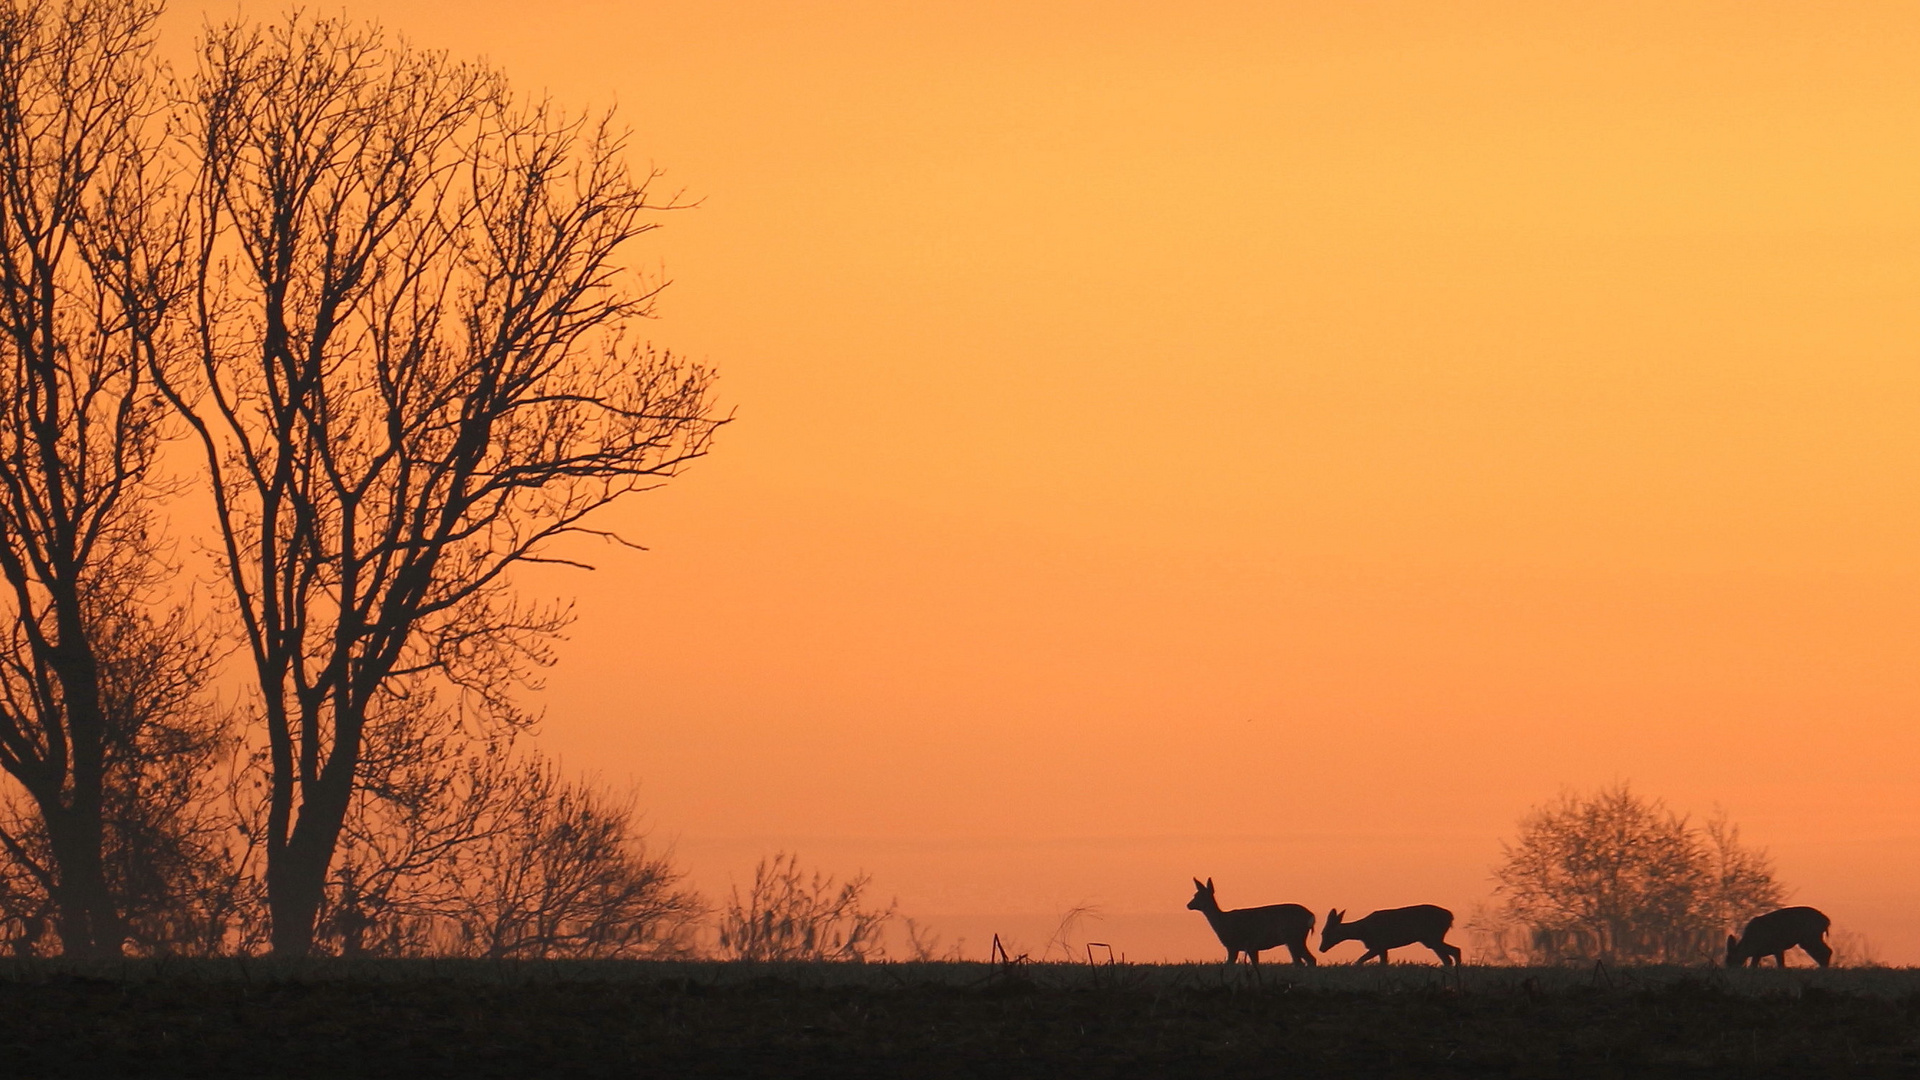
427, 1018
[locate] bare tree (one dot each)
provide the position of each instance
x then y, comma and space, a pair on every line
415, 371
565, 873
90, 269
174, 870
27, 914
789, 915
1617, 876
429, 788
167, 848
461, 845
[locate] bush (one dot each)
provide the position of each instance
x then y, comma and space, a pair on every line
1616, 876
788, 915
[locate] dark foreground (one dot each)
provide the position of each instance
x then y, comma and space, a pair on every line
959, 1020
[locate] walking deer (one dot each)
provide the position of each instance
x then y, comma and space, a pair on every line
1775, 932
1393, 928
1249, 930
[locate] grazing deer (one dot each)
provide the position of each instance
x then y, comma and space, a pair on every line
1775, 932
1249, 930
1392, 928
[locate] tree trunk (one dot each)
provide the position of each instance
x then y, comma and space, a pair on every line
78, 669
88, 919
294, 887
297, 869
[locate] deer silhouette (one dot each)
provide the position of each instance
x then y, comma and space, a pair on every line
1393, 928
1775, 932
1249, 930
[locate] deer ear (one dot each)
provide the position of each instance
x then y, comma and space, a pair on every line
1197, 885
1209, 884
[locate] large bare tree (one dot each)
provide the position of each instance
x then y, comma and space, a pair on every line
89, 269
416, 369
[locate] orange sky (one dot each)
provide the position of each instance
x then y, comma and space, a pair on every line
1279, 442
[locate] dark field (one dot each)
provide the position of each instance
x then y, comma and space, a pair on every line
672, 1020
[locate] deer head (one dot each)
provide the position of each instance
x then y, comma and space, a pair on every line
1332, 935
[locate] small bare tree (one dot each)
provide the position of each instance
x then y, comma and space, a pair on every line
90, 271
167, 848
415, 370
566, 873
429, 789
28, 918
1617, 876
173, 868
789, 915
460, 845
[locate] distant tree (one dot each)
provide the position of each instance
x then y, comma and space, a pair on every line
414, 370
566, 873
788, 914
462, 846
429, 788
1616, 876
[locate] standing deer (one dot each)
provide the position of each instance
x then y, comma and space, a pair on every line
1392, 928
1775, 932
1249, 930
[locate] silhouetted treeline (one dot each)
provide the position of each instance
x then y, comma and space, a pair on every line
363, 309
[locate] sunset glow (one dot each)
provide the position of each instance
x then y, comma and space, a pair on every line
1279, 443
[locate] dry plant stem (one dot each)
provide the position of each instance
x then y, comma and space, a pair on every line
413, 374
790, 916
88, 276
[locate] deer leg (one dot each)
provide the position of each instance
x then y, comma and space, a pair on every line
1253, 957
1232, 955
